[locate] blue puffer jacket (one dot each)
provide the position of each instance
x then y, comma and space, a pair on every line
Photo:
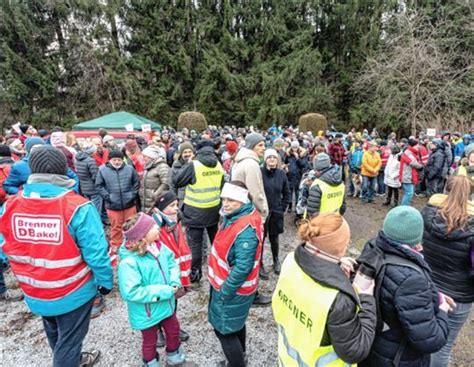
146, 282
409, 306
87, 231
20, 172
118, 187
87, 173
227, 310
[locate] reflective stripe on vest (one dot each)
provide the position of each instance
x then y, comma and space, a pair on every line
219, 269
332, 197
205, 192
301, 313
43, 255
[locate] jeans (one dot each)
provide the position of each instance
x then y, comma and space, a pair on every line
3, 287
65, 334
456, 320
233, 346
408, 191
368, 188
380, 182
196, 242
98, 202
170, 326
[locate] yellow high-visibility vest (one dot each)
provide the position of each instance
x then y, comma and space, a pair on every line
332, 197
205, 193
300, 308
462, 171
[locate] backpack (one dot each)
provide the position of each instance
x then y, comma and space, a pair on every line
4, 172
376, 259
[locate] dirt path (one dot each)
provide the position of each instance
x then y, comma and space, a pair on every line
23, 342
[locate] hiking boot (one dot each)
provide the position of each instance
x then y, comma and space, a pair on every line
386, 203
263, 274
89, 358
183, 335
261, 300
161, 342
11, 295
176, 357
395, 204
98, 307
276, 267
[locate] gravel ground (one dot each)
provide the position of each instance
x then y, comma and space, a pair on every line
23, 342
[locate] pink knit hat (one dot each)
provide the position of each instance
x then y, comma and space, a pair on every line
139, 230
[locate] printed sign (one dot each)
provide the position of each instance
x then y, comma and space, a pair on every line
129, 127
431, 132
47, 229
146, 128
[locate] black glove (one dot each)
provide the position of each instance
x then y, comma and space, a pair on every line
104, 291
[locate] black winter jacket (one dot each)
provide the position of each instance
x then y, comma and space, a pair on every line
296, 166
86, 173
409, 306
118, 187
275, 185
435, 164
197, 217
332, 176
449, 255
349, 331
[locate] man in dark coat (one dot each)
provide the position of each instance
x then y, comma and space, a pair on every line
118, 185
194, 217
87, 173
276, 190
297, 164
434, 167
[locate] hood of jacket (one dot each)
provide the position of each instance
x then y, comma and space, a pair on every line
245, 153
324, 272
207, 156
80, 156
332, 176
436, 225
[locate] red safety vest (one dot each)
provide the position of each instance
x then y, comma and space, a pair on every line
219, 268
43, 255
180, 249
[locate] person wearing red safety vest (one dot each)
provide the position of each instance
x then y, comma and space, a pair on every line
234, 263
57, 250
165, 214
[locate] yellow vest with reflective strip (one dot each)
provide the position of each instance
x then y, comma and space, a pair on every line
332, 197
300, 308
205, 192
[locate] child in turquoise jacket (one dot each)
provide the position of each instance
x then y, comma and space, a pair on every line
148, 280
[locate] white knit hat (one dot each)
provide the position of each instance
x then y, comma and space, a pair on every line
234, 192
154, 152
270, 153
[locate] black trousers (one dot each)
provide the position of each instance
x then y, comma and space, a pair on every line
394, 191
195, 241
274, 246
233, 346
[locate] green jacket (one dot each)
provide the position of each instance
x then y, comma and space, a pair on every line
227, 310
146, 284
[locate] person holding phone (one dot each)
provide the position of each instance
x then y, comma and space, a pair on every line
324, 320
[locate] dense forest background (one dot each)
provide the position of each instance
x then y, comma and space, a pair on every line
395, 65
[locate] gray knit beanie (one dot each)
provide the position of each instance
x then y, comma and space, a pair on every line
253, 139
47, 159
321, 161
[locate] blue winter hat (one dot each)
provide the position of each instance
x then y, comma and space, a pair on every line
404, 224
30, 142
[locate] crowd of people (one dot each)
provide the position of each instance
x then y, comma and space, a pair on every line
73, 210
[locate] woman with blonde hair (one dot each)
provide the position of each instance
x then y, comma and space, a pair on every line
448, 243
321, 317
